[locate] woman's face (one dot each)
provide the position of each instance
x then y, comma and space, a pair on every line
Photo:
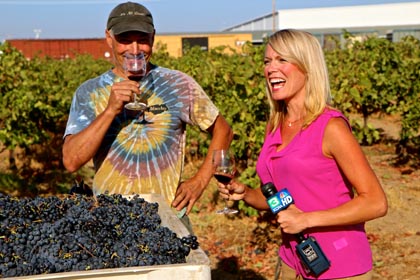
285, 80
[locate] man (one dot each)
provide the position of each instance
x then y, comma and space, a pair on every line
132, 156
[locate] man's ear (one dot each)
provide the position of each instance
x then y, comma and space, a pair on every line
108, 37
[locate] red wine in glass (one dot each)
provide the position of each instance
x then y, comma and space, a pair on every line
223, 178
135, 77
224, 170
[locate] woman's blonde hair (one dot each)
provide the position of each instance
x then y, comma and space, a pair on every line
303, 50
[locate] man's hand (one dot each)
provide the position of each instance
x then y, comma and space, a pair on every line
187, 194
122, 93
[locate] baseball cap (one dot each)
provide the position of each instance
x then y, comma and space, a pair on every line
130, 16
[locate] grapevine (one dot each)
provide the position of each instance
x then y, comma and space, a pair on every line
75, 233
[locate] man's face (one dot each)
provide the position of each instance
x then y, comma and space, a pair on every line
133, 42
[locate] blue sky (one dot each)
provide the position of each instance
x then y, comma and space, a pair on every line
87, 18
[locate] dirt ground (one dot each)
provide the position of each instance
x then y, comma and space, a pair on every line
240, 247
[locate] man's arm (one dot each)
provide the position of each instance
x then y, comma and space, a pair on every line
191, 190
79, 148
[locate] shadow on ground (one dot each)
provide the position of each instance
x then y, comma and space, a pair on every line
228, 269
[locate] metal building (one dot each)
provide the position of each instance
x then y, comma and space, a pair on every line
393, 21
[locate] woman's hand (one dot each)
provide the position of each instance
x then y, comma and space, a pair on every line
238, 191
292, 220
232, 191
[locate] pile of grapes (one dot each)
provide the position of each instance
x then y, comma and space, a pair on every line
50, 234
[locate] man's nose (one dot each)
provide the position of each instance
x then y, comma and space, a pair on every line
134, 47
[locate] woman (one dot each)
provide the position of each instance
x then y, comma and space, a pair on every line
310, 150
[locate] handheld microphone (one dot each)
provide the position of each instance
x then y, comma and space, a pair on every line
308, 249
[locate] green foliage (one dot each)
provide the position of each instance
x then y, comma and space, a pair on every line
367, 133
377, 76
35, 100
249, 177
407, 101
363, 77
14, 84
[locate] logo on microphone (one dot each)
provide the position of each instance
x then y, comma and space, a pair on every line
280, 201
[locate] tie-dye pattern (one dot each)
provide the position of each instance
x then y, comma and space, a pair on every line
136, 157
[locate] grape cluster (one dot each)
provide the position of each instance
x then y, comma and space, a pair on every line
190, 241
50, 234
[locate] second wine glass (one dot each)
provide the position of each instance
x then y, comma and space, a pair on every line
224, 171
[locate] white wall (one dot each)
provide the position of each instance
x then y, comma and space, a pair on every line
382, 15
351, 16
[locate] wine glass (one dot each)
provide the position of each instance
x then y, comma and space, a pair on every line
224, 171
134, 66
